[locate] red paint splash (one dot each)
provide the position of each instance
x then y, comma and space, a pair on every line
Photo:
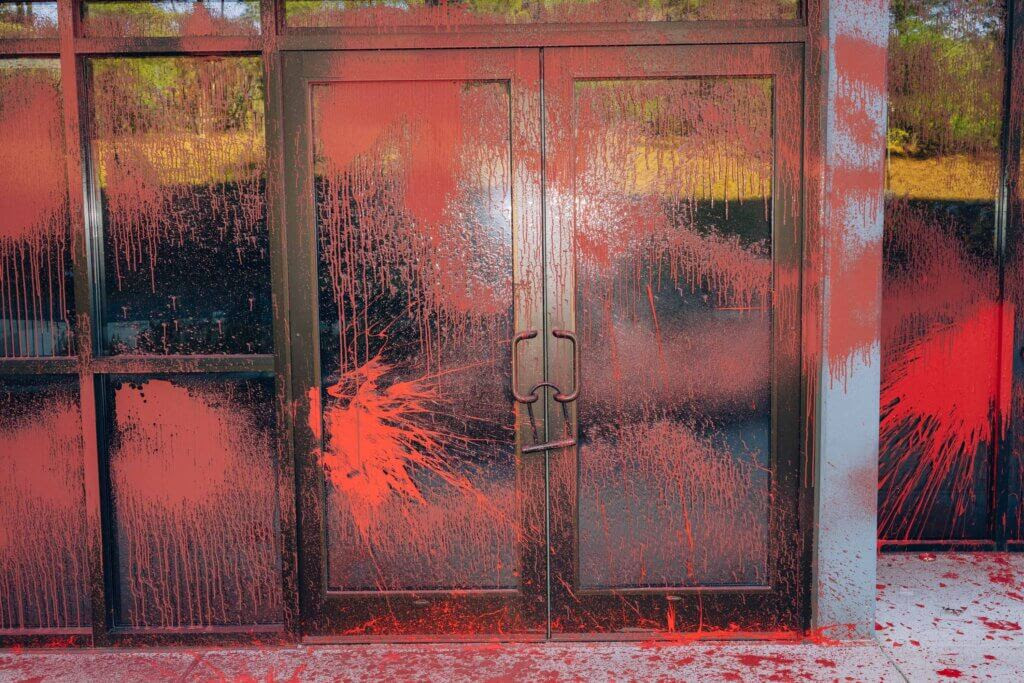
999, 625
940, 410
35, 234
44, 572
194, 492
413, 199
943, 380
377, 435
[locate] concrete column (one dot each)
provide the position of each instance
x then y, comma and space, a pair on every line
853, 37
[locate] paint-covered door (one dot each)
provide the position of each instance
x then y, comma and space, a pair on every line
414, 240
673, 195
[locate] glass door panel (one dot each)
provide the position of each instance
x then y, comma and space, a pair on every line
587, 424
673, 217
424, 186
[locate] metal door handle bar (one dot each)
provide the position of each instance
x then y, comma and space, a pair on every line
533, 396
559, 396
522, 398
550, 444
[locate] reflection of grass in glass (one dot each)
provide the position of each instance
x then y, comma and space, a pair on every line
731, 176
956, 177
188, 121
207, 159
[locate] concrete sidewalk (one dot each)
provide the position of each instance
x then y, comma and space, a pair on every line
940, 618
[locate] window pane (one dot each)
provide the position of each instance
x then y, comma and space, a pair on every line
942, 314
415, 266
36, 279
674, 316
44, 572
28, 19
379, 14
159, 18
1013, 463
179, 157
194, 494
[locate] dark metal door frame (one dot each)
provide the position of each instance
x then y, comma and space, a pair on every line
540, 313
324, 613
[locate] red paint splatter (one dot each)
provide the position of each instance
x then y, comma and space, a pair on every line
376, 436
194, 492
35, 234
44, 572
999, 625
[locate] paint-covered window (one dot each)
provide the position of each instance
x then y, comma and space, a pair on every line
1013, 465
28, 20
674, 314
941, 396
381, 14
193, 497
163, 18
178, 157
36, 292
415, 269
44, 572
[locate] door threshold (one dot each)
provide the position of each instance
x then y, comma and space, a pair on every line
620, 637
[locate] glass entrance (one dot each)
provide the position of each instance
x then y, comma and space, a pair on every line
673, 213
545, 358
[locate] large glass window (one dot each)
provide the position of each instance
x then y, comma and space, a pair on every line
194, 498
179, 159
159, 18
36, 287
380, 14
44, 572
942, 309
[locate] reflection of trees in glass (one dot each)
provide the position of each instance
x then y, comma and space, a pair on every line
383, 12
178, 149
28, 19
157, 18
945, 57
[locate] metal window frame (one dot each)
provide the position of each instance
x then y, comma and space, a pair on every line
275, 39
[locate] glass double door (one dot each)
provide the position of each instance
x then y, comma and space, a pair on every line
544, 335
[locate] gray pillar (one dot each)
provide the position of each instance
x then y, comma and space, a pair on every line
854, 36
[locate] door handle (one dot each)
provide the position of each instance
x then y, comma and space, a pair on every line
575, 394
522, 398
533, 396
